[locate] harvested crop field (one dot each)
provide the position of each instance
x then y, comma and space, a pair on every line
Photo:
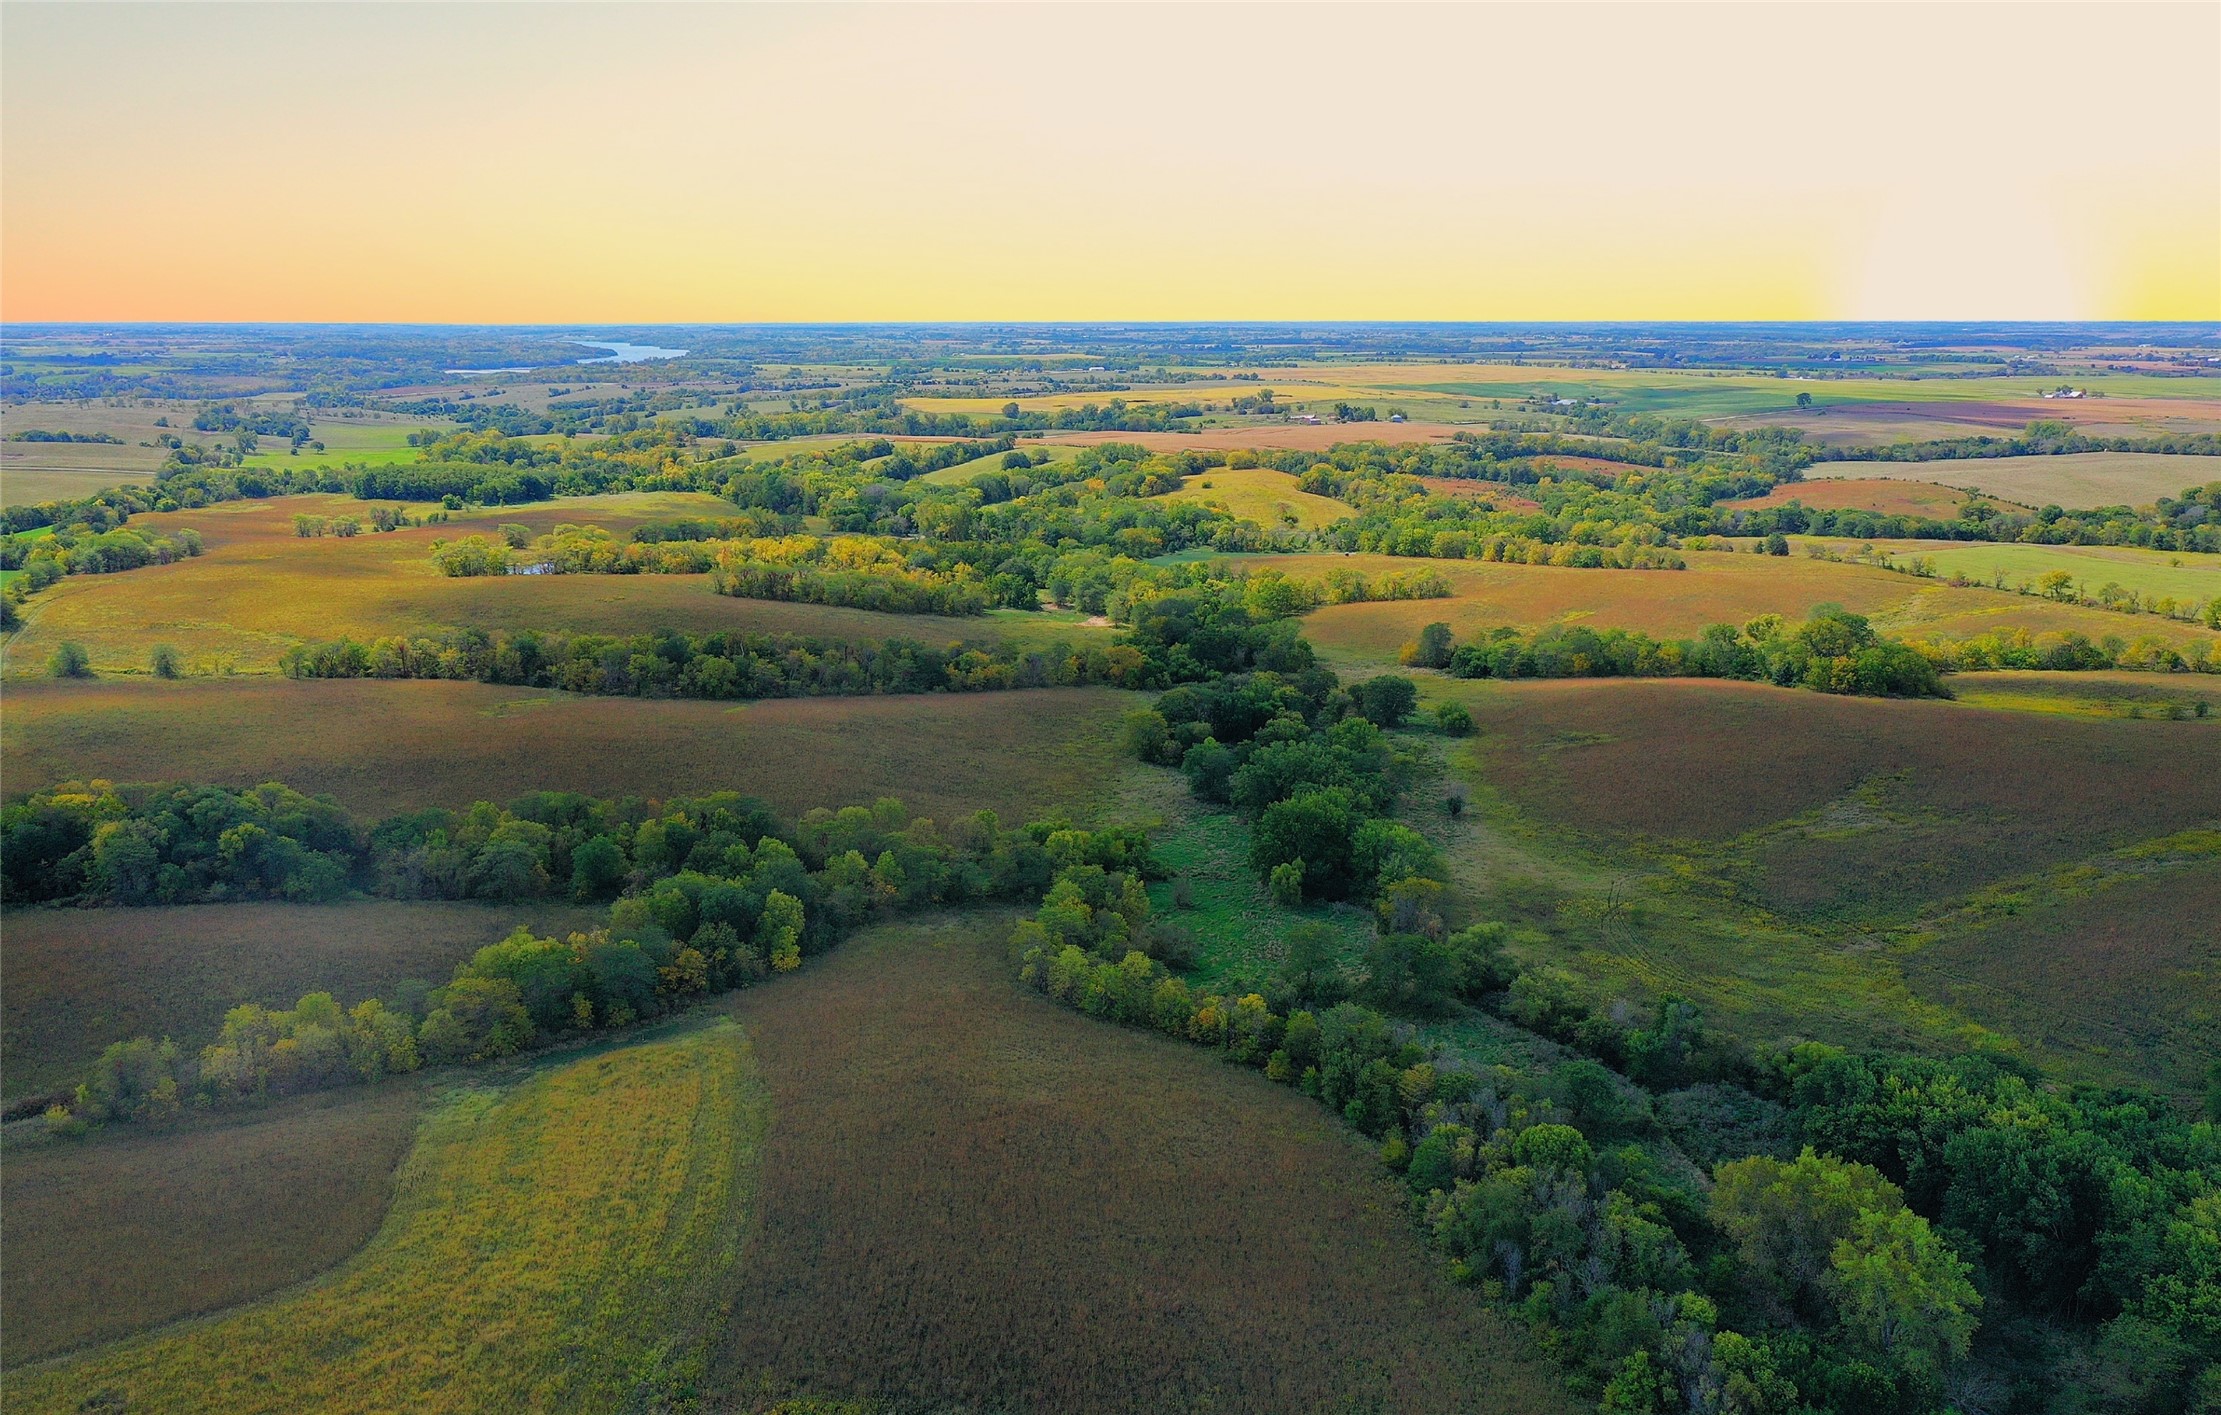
79, 979
2075, 479
1260, 494
2124, 977
1880, 495
973, 1199
384, 746
1296, 437
1853, 808
555, 1244
141, 1226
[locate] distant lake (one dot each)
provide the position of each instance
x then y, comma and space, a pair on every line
619, 353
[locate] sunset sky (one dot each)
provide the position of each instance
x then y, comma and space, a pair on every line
696, 162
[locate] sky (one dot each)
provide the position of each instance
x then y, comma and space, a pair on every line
644, 162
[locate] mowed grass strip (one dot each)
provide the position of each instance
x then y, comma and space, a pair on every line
1260, 494
557, 1246
2186, 577
79, 979
383, 747
973, 1199
137, 1226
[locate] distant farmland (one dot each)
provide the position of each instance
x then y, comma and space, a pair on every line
974, 1200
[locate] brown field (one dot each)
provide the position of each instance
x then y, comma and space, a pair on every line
1849, 807
382, 747
1721, 759
1502, 497
79, 979
1718, 587
261, 589
2128, 974
1879, 495
972, 1199
137, 1227
2078, 479
1872, 424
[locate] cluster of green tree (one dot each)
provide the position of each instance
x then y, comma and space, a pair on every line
262, 422
708, 894
725, 666
309, 527
40, 434
2038, 439
2067, 652
175, 845
79, 549
1834, 651
892, 590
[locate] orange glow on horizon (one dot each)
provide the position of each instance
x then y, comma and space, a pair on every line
641, 163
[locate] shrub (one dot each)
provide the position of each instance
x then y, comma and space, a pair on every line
69, 661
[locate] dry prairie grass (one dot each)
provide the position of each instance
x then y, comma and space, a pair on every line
383, 747
131, 1229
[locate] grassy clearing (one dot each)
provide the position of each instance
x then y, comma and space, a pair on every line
136, 1227
2184, 577
2092, 694
963, 472
383, 747
2077, 479
1264, 496
973, 1199
79, 979
1877, 494
1240, 933
560, 1244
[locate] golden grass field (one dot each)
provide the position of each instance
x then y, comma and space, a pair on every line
79, 979
975, 1200
1260, 494
139, 1226
2075, 479
260, 589
560, 1242
383, 747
